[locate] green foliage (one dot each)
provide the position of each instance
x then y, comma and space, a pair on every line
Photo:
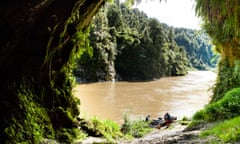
228, 78
107, 128
152, 54
225, 108
126, 127
114, 17
33, 124
201, 115
125, 41
221, 22
111, 130
227, 131
129, 3
198, 48
36, 72
99, 65
185, 121
137, 128
66, 135
102, 128
221, 19
82, 44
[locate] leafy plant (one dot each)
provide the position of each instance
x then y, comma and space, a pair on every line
225, 108
102, 128
228, 131
137, 128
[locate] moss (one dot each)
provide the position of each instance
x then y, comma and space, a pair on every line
66, 135
36, 101
29, 121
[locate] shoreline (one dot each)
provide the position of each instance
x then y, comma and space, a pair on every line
176, 133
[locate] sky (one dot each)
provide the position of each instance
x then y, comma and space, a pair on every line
177, 13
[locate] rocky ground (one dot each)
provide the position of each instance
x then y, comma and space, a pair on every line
175, 134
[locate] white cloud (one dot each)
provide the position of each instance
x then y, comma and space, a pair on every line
177, 13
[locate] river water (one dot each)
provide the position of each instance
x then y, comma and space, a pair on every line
180, 96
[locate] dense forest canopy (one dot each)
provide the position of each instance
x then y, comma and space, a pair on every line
41, 40
198, 47
126, 42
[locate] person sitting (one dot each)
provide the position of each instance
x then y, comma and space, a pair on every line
167, 119
147, 118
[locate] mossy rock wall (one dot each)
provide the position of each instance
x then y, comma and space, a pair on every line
35, 66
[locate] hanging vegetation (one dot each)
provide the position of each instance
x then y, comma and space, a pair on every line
40, 40
221, 22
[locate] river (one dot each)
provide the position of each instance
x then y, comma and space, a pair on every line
180, 96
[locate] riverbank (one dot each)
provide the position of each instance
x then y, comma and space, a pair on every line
180, 96
216, 123
176, 133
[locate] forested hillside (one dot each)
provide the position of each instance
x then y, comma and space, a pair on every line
198, 48
130, 46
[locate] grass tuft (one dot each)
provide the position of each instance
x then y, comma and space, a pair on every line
228, 131
136, 129
225, 108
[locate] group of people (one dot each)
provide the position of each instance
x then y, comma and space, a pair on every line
158, 123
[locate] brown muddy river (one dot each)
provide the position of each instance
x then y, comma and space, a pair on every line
180, 96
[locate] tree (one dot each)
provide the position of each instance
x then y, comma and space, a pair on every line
99, 65
141, 48
197, 46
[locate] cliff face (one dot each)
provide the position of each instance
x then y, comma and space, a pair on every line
35, 66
